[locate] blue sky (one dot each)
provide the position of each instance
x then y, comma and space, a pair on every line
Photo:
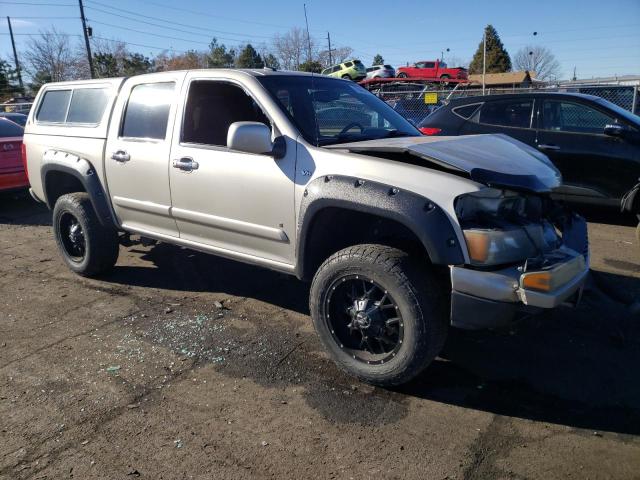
598, 38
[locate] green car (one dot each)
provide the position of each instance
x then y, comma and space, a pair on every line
349, 70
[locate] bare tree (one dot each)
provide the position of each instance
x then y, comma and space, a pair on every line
338, 55
291, 49
539, 60
50, 55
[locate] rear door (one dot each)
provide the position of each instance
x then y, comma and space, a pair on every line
511, 116
137, 153
593, 165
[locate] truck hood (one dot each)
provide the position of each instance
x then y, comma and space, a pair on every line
494, 160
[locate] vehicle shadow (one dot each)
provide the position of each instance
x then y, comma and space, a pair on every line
573, 366
182, 269
18, 208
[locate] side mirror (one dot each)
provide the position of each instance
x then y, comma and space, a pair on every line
254, 137
614, 130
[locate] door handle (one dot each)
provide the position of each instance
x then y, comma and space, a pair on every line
120, 156
186, 164
543, 146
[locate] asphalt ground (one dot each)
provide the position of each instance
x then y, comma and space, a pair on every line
182, 365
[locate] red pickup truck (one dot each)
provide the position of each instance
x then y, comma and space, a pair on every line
432, 69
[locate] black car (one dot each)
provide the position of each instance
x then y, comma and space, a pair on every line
594, 143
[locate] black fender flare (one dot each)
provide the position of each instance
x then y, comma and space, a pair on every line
423, 217
85, 173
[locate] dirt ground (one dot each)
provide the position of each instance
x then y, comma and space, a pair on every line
180, 365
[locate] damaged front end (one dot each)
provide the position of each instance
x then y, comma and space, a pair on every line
526, 253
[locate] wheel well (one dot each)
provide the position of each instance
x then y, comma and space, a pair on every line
335, 228
59, 183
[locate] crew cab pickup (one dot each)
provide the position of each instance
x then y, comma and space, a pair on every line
401, 235
432, 69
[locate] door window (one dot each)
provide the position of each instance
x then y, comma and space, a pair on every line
147, 112
564, 116
211, 109
507, 113
429, 65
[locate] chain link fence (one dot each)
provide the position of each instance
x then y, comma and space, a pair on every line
415, 101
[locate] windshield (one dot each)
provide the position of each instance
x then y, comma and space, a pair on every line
329, 111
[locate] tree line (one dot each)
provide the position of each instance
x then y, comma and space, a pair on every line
52, 57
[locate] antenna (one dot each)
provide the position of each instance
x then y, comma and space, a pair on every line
313, 87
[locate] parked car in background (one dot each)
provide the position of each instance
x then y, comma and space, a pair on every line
432, 69
19, 118
594, 143
349, 70
12, 171
381, 71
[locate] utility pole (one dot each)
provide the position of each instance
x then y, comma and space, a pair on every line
15, 57
484, 57
85, 30
329, 41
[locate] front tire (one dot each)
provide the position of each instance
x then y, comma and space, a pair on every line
382, 318
346, 76
87, 247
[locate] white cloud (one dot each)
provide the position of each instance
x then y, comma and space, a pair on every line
17, 23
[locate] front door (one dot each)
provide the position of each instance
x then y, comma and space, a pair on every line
137, 153
236, 203
593, 165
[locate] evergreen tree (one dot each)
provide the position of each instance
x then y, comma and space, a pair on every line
378, 60
7, 87
249, 58
498, 60
271, 61
219, 56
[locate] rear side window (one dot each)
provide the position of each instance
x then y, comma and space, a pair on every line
147, 112
87, 105
10, 129
53, 107
466, 111
388, 67
348, 64
507, 113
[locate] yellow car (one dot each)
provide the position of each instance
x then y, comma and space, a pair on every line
349, 70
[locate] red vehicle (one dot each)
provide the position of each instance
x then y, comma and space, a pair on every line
13, 175
432, 69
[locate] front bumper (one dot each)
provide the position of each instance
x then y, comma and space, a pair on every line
488, 299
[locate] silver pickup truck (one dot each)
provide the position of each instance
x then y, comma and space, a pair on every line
400, 235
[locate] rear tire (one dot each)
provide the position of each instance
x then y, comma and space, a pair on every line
400, 331
87, 247
346, 76
402, 75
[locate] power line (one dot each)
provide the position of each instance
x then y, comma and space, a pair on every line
171, 22
142, 32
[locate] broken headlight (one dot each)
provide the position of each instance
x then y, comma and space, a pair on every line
502, 227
